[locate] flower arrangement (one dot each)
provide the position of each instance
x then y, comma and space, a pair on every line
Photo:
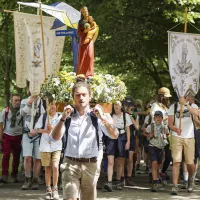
106, 88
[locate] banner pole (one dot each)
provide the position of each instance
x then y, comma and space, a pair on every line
44, 57
185, 31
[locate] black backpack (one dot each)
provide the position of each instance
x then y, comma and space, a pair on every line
67, 125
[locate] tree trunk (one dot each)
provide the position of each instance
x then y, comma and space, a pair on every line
7, 66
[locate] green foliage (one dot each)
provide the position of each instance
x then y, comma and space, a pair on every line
132, 41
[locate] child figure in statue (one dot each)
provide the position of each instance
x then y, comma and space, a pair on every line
87, 36
91, 30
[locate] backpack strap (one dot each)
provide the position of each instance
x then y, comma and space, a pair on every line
152, 128
175, 109
124, 118
6, 116
44, 117
95, 124
67, 125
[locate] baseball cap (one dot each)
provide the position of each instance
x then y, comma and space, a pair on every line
138, 102
128, 101
165, 91
158, 113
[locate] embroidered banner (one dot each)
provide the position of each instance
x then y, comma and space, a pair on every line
29, 51
184, 62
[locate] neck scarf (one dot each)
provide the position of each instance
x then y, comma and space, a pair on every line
14, 115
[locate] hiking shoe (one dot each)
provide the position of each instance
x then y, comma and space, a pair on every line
35, 184
190, 185
154, 187
41, 180
162, 179
122, 182
174, 190
14, 179
129, 181
27, 183
185, 185
108, 186
48, 195
55, 194
119, 186
4, 179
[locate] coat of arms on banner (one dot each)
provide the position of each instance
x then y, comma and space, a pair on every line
184, 62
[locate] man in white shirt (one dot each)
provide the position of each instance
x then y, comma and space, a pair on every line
83, 155
182, 141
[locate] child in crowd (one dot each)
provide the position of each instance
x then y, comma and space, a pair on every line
157, 133
50, 150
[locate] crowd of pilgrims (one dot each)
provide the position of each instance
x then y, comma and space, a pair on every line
145, 133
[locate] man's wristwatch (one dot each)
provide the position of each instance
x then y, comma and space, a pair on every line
62, 120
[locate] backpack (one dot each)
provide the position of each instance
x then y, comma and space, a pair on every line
67, 125
44, 117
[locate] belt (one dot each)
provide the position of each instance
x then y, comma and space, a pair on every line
93, 159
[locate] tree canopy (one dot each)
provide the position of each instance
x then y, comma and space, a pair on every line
132, 42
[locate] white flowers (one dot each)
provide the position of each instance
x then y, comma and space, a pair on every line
105, 88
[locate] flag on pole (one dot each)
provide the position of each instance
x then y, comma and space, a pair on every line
184, 62
28, 48
63, 12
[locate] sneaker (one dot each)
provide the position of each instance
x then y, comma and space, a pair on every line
190, 185
35, 184
129, 181
4, 179
48, 195
174, 190
185, 185
119, 186
163, 179
55, 194
27, 183
154, 187
108, 186
41, 181
14, 179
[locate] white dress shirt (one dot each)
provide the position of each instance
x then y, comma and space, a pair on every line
82, 141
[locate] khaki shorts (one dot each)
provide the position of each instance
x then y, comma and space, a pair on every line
79, 180
48, 158
180, 145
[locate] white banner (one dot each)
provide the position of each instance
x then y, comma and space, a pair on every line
29, 51
184, 62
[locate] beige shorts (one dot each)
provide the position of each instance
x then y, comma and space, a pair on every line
180, 145
48, 158
79, 180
